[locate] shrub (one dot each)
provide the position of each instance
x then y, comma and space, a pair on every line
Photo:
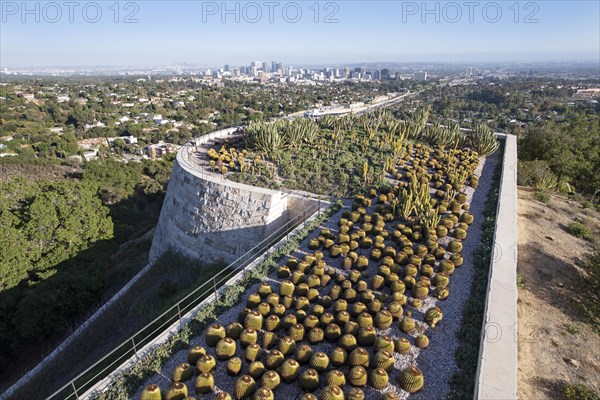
541, 196
576, 391
580, 230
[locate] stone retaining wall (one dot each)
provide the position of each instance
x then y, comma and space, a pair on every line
210, 218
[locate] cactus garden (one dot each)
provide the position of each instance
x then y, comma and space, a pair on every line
347, 155
368, 305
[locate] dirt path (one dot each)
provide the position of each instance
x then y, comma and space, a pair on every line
554, 344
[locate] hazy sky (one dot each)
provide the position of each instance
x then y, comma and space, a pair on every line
85, 33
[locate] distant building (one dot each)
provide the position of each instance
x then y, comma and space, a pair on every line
420, 76
385, 74
160, 149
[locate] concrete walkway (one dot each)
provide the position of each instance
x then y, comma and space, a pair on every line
497, 370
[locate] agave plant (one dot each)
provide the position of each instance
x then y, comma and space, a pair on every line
482, 140
265, 137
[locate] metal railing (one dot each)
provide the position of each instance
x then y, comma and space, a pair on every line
149, 334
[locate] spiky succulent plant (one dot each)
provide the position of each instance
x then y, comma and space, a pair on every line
225, 349
384, 359
411, 379
195, 353
378, 378
247, 337
319, 361
270, 380
358, 376
335, 378
384, 319
296, 332
366, 336
151, 392
205, 383
177, 391
252, 352
206, 363
359, 356
182, 372
214, 333
289, 370
233, 330
274, 359
348, 342
402, 346
422, 341
309, 380
356, 394
332, 393
339, 356
256, 369
433, 316
244, 387
383, 343
234, 366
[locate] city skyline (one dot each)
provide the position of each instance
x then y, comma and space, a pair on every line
193, 32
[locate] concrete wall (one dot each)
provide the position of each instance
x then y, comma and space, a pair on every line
497, 368
210, 218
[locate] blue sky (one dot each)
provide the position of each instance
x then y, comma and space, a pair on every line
194, 32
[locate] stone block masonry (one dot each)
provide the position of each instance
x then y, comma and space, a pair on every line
212, 219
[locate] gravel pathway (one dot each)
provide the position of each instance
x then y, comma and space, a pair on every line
436, 362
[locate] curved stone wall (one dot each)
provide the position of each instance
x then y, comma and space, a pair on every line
210, 218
